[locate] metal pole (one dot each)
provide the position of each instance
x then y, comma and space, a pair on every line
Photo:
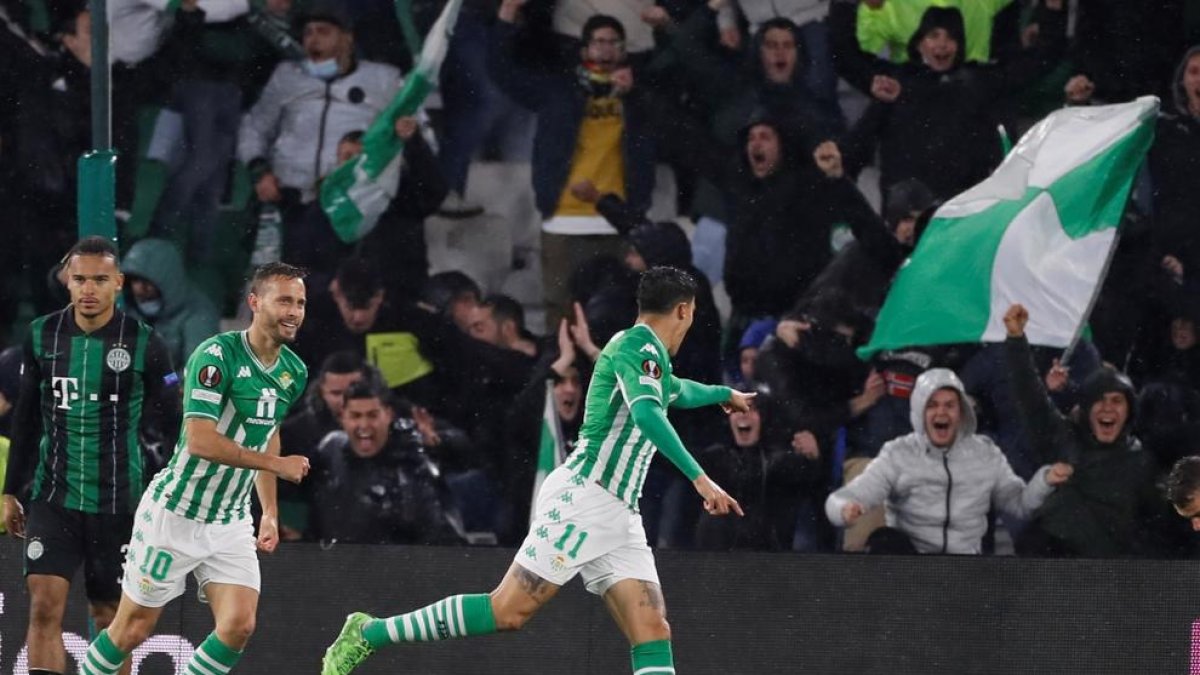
97, 168
101, 91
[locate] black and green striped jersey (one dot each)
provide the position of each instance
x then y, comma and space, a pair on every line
611, 450
226, 382
83, 399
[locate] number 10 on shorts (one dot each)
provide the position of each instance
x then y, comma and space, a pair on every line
156, 563
562, 541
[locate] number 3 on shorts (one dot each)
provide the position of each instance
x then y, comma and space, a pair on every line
562, 541
156, 563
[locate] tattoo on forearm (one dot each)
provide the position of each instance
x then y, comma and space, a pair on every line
651, 596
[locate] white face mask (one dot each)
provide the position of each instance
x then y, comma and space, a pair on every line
150, 308
322, 70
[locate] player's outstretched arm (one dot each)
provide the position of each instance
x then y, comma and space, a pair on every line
692, 394
205, 442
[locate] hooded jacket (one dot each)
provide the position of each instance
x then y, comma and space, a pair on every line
940, 497
187, 317
942, 128
1174, 164
1098, 511
295, 125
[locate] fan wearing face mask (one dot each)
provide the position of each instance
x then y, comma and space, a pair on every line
158, 291
289, 138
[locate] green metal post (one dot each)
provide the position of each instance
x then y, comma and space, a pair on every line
97, 168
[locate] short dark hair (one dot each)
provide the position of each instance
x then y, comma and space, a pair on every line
355, 136
271, 270
367, 388
341, 363
597, 21
93, 245
444, 288
781, 22
504, 308
1183, 483
358, 281
662, 288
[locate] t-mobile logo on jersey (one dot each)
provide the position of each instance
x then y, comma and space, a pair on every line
66, 389
266, 404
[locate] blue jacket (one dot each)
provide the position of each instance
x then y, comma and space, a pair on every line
558, 100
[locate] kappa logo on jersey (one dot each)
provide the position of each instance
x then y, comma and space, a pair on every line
209, 376
215, 350
244, 371
650, 367
118, 359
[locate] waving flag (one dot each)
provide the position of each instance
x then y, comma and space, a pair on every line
359, 191
551, 449
1039, 231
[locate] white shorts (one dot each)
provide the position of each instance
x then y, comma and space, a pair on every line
579, 528
165, 547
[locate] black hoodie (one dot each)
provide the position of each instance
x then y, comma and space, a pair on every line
942, 128
1099, 511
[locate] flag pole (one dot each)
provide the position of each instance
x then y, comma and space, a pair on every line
1087, 313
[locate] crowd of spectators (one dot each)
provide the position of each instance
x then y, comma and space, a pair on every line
430, 393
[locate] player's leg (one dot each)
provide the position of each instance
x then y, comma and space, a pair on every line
102, 614
520, 594
234, 609
639, 610
106, 538
231, 580
130, 627
534, 577
53, 552
158, 559
627, 579
47, 602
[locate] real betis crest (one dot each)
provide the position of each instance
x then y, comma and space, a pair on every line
286, 380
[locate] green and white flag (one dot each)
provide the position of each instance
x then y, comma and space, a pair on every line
551, 448
356, 193
1039, 231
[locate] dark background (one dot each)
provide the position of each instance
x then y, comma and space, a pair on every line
737, 614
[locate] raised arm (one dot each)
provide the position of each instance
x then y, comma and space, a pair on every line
1042, 421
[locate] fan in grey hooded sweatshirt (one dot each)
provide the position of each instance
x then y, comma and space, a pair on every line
940, 496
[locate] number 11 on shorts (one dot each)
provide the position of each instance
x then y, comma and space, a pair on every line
562, 541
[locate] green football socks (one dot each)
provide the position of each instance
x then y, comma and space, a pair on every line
453, 617
653, 658
212, 657
103, 657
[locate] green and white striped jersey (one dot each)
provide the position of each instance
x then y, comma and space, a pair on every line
224, 381
611, 450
